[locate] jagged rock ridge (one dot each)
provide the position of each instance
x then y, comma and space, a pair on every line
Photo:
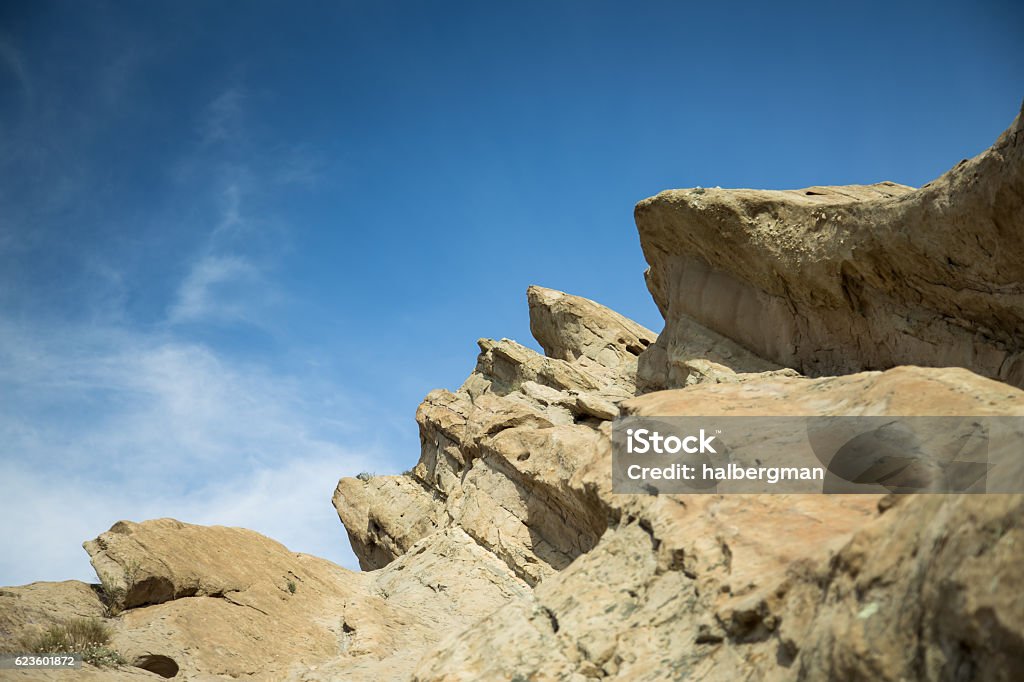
477, 470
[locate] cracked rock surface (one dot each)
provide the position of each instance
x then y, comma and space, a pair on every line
831, 280
772, 586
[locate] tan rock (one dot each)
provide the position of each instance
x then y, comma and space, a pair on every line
445, 583
164, 559
478, 461
579, 330
654, 588
40, 604
211, 602
507, 365
829, 280
474, 470
742, 586
920, 391
221, 601
31, 609
934, 590
596, 407
688, 353
411, 514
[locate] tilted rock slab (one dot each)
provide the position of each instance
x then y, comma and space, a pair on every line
710, 587
477, 468
574, 329
832, 280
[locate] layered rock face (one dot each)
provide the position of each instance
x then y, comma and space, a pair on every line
504, 555
830, 280
731, 587
709, 587
477, 470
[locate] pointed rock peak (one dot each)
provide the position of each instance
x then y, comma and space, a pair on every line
572, 327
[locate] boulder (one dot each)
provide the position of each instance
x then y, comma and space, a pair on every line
385, 515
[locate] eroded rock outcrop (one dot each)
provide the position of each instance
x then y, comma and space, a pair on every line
709, 586
744, 586
831, 280
579, 330
209, 602
477, 470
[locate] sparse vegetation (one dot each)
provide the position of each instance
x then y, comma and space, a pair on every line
113, 592
131, 573
86, 636
291, 586
112, 595
364, 476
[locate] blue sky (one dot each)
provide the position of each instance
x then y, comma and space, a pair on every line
240, 241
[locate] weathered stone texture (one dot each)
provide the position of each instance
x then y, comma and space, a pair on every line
830, 280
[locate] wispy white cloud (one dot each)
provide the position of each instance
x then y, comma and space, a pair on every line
13, 63
231, 212
224, 283
105, 417
222, 121
227, 280
218, 288
97, 425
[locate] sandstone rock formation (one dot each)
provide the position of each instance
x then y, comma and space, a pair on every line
212, 602
716, 587
477, 470
738, 587
830, 280
504, 554
578, 330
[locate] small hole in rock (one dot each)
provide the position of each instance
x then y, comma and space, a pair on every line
164, 666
